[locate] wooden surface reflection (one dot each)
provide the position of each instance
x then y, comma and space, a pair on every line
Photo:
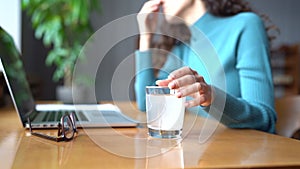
227, 148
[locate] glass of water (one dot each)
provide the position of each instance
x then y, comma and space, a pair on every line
165, 112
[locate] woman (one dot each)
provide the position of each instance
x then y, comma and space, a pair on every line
241, 42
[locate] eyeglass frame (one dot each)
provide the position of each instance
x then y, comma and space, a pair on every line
61, 130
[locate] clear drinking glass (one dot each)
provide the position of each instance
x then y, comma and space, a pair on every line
165, 112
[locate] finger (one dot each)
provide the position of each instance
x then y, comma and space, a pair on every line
200, 100
151, 6
193, 90
182, 81
181, 72
148, 15
186, 80
164, 82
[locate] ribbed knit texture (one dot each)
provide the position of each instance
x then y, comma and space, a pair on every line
243, 50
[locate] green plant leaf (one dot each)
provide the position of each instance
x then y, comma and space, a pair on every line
55, 54
62, 25
39, 31
25, 4
75, 11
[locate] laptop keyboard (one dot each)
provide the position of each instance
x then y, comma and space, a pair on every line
51, 116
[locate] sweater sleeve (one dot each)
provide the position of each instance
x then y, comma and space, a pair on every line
255, 107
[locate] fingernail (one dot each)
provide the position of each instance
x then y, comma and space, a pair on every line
171, 76
178, 94
171, 85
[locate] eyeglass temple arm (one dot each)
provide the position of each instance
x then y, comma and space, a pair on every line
40, 134
45, 136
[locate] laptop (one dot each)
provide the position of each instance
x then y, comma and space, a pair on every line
48, 115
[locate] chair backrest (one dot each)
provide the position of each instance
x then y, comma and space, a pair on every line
288, 115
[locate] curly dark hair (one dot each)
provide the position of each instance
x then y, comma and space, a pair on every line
226, 7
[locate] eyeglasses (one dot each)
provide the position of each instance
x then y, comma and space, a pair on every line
66, 129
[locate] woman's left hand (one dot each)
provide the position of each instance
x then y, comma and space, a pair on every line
188, 82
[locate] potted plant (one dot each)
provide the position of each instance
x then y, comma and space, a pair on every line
64, 27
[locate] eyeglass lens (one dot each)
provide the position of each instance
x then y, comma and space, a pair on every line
67, 127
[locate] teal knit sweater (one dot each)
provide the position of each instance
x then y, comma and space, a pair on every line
241, 46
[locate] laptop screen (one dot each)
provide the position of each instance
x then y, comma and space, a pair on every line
15, 76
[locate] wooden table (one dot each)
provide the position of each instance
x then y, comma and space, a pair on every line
131, 148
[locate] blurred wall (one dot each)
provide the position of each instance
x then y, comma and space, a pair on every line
285, 15
111, 11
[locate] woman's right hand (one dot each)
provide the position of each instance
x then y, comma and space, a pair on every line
147, 21
188, 82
